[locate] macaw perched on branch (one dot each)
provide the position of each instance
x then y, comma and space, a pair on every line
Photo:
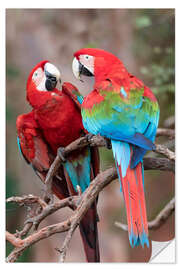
122, 109
55, 121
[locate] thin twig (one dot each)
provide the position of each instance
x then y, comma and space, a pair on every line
160, 219
67, 240
162, 216
51, 208
27, 199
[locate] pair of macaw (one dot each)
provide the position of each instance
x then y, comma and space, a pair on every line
120, 108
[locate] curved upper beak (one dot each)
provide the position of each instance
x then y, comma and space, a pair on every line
52, 76
76, 68
79, 69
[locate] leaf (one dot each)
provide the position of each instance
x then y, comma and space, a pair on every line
143, 21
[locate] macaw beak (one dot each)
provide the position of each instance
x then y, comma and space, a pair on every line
76, 68
52, 76
79, 69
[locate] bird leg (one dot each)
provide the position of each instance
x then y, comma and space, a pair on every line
108, 143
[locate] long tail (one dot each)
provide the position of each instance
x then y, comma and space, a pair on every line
89, 234
131, 181
78, 171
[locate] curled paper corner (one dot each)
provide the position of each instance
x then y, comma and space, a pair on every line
163, 252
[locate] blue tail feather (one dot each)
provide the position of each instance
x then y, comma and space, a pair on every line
137, 240
79, 171
122, 153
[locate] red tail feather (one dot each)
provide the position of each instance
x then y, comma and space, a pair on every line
133, 191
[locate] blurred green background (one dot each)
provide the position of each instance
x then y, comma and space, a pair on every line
144, 39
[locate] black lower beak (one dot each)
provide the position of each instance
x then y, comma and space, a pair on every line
51, 81
50, 84
84, 71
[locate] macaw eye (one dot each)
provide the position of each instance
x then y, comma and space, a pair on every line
87, 57
37, 73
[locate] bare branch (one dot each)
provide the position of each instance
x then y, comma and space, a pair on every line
166, 132
162, 216
87, 198
80, 203
24, 231
99, 142
165, 151
67, 240
163, 164
51, 208
16, 242
27, 199
160, 219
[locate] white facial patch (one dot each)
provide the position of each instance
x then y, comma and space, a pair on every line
87, 61
41, 86
39, 79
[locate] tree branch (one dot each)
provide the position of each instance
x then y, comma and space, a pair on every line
97, 141
80, 203
85, 202
165, 151
160, 219
168, 132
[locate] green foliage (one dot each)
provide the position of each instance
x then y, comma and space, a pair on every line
91, 45
143, 21
162, 78
10, 115
154, 46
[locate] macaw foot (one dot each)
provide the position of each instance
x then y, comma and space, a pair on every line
89, 136
108, 143
61, 154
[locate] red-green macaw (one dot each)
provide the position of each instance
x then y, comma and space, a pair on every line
124, 110
55, 121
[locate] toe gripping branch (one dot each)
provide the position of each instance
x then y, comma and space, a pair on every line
61, 153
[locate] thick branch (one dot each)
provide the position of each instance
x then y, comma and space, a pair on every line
163, 164
94, 141
165, 151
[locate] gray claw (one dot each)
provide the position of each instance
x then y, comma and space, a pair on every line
89, 136
61, 154
108, 143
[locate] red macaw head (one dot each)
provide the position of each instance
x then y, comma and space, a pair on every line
94, 62
42, 82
